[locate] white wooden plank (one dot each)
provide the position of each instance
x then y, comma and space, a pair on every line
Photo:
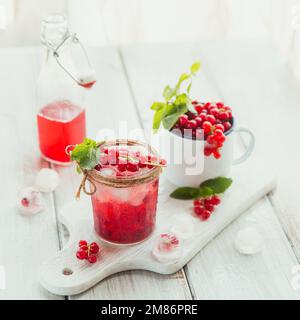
107, 105
25, 241
161, 65
254, 79
220, 272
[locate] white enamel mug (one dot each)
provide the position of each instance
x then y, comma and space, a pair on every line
187, 164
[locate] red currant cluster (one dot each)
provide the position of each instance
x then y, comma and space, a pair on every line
123, 160
213, 119
204, 207
87, 251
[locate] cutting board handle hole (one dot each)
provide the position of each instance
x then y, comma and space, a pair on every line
67, 271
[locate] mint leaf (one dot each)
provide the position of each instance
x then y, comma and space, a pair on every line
185, 193
195, 67
86, 154
172, 114
181, 99
182, 78
158, 106
218, 185
157, 118
168, 93
205, 192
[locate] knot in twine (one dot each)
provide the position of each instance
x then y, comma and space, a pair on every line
82, 186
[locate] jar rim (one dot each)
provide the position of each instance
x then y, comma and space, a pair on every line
127, 181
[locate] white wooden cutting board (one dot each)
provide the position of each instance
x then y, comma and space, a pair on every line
64, 274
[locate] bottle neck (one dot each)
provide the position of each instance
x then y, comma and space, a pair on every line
54, 30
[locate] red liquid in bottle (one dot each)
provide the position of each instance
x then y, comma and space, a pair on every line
60, 124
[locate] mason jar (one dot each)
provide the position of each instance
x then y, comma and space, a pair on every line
124, 203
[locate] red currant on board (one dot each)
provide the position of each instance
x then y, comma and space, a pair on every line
204, 207
92, 259
82, 243
87, 251
205, 215
215, 200
81, 254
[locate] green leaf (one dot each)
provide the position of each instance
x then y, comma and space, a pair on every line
168, 93
185, 193
189, 87
79, 171
218, 185
86, 154
205, 192
182, 78
195, 67
181, 99
172, 114
158, 106
157, 118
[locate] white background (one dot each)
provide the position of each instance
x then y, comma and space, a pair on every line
115, 22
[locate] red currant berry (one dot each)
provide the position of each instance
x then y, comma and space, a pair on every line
192, 124
205, 215
215, 200
199, 211
163, 162
227, 126
198, 108
195, 102
94, 248
220, 127
223, 116
211, 118
207, 105
206, 126
25, 202
92, 259
220, 104
202, 115
81, 254
220, 139
199, 121
122, 167
132, 167
218, 133
82, 243
217, 154
208, 151
210, 207
210, 139
98, 167
198, 202
214, 111
183, 119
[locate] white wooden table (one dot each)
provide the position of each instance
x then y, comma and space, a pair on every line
250, 77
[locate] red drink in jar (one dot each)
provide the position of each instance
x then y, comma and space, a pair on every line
60, 124
124, 205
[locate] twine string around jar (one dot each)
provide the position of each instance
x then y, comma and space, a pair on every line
93, 176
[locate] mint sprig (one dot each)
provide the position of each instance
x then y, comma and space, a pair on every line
207, 188
176, 103
86, 154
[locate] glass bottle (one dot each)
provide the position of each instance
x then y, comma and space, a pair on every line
60, 100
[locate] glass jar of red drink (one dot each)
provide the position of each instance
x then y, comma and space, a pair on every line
60, 100
125, 201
